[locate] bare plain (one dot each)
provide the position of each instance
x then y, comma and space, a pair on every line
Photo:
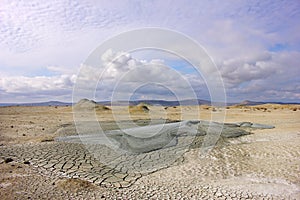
262, 165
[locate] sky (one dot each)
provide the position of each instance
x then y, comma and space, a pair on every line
254, 44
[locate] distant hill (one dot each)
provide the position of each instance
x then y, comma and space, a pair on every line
188, 102
254, 103
250, 103
157, 102
48, 103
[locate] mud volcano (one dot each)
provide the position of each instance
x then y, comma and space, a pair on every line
155, 137
89, 105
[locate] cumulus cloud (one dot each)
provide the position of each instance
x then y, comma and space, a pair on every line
21, 85
257, 77
243, 69
265, 78
122, 76
240, 36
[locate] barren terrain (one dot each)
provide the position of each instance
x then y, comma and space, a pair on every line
262, 165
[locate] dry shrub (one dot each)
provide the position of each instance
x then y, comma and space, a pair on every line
206, 107
74, 184
47, 139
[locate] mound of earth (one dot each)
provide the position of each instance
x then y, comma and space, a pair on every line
85, 104
140, 108
154, 137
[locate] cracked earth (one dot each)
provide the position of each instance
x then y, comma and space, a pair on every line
262, 165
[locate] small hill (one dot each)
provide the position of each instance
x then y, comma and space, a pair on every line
250, 103
85, 104
140, 108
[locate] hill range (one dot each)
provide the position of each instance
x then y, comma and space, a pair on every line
188, 102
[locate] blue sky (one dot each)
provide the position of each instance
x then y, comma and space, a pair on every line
255, 44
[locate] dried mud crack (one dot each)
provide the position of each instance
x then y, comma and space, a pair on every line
262, 165
75, 161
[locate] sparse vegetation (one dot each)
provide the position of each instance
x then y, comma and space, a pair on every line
26, 162
8, 160
47, 139
74, 184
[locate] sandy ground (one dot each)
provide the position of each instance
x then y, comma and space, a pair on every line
263, 165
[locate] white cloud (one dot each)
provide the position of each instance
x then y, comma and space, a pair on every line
37, 85
275, 76
243, 69
258, 77
121, 76
237, 34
